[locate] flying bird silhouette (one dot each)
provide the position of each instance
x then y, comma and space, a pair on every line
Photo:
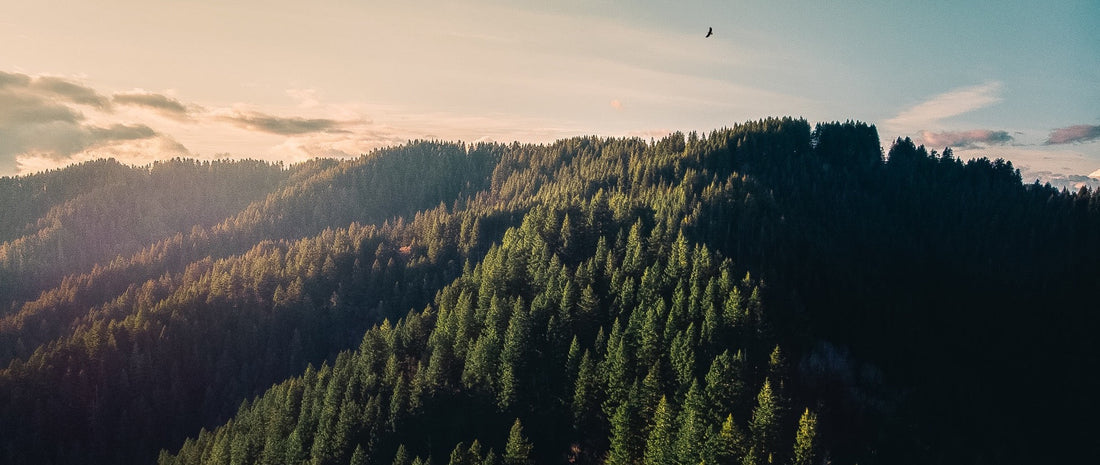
710, 32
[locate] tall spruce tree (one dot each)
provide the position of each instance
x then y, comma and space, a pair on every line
805, 443
517, 451
659, 448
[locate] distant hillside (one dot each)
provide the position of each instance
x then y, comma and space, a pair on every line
770, 292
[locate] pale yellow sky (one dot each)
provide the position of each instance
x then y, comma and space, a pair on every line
287, 81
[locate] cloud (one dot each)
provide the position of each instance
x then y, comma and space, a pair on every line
71, 91
286, 126
1061, 180
161, 103
964, 139
18, 107
16, 79
43, 118
955, 102
119, 132
60, 139
1073, 134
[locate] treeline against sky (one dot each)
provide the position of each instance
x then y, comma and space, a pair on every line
766, 293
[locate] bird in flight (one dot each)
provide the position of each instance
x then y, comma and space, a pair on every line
710, 32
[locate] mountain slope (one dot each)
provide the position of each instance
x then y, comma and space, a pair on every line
882, 301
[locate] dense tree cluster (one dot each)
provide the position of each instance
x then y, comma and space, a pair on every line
766, 293
595, 354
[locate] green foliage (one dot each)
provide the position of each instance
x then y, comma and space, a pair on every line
625, 441
659, 445
401, 457
805, 443
517, 451
422, 296
728, 444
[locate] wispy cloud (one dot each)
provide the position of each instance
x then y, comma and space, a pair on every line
1074, 134
71, 91
286, 126
928, 113
964, 139
161, 103
119, 132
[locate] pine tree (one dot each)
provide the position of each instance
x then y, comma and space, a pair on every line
765, 422
491, 458
458, 455
512, 356
398, 402
649, 343
518, 449
650, 393
473, 454
777, 369
295, 448
586, 399
725, 385
358, 457
634, 258
805, 443
659, 445
573, 359
682, 358
733, 310
728, 445
691, 437
624, 434
401, 457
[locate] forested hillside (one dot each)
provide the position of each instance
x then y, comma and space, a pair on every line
770, 292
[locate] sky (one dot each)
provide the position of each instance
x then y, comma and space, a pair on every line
287, 81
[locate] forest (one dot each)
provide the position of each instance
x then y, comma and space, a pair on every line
773, 292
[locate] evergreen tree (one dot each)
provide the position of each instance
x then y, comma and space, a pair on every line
296, 448
625, 440
659, 445
765, 422
517, 451
691, 437
777, 369
586, 398
401, 457
491, 458
474, 455
459, 455
805, 443
359, 456
724, 385
512, 356
728, 445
